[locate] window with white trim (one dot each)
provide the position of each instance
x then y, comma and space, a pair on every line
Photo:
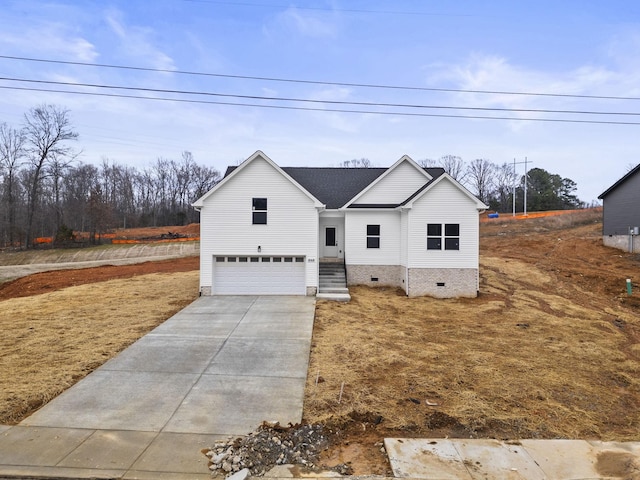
373, 236
443, 236
259, 211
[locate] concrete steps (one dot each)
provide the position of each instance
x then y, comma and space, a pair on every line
333, 282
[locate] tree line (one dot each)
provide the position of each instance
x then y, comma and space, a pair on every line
45, 191
496, 185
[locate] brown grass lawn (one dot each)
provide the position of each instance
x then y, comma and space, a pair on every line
550, 348
51, 340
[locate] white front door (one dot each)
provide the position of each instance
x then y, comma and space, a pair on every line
330, 242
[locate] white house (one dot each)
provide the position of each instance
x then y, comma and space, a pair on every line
265, 229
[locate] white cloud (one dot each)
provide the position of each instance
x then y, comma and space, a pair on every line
497, 74
306, 23
137, 42
624, 49
344, 122
50, 39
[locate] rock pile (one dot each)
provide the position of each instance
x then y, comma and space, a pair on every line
268, 446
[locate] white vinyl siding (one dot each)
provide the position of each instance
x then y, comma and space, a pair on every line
227, 228
404, 232
443, 204
396, 187
356, 251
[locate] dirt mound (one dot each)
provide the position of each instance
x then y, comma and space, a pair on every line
175, 231
269, 446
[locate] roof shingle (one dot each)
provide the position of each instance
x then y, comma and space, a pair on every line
336, 186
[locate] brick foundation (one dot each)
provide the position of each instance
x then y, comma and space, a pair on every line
386, 275
443, 282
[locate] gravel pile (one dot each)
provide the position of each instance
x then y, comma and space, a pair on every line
268, 446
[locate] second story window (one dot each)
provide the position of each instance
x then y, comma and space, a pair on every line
259, 213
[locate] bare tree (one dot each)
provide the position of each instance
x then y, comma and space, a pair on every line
78, 185
505, 179
42, 189
479, 176
454, 166
356, 163
56, 170
46, 130
99, 213
428, 162
11, 157
204, 179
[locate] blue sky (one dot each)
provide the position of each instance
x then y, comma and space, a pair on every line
585, 48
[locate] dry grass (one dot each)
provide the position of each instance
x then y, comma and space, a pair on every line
550, 348
52, 340
540, 353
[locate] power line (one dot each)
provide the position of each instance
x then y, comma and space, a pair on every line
314, 101
317, 82
311, 109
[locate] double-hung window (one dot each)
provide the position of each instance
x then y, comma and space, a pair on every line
434, 236
452, 236
259, 213
373, 236
450, 240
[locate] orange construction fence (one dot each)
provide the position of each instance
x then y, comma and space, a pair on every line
164, 240
549, 213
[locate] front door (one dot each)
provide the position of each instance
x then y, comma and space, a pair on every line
330, 242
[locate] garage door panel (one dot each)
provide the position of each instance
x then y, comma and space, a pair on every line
258, 278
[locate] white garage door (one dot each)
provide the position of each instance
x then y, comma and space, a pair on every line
258, 275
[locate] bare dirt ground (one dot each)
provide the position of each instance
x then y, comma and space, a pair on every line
549, 349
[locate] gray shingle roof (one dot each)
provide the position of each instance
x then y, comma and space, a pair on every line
629, 174
336, 186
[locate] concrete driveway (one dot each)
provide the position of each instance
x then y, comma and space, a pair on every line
219, 367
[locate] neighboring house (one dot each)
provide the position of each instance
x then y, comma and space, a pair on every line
621, 212
265, 229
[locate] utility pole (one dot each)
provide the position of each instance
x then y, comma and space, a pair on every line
515, 184
526, 181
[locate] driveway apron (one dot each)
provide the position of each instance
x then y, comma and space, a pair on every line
218, 368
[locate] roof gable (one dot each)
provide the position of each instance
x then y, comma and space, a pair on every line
233, 172
629, 174
330, 185
444, 177
392, 176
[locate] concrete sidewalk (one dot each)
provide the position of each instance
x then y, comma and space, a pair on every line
218, 368
461, 459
